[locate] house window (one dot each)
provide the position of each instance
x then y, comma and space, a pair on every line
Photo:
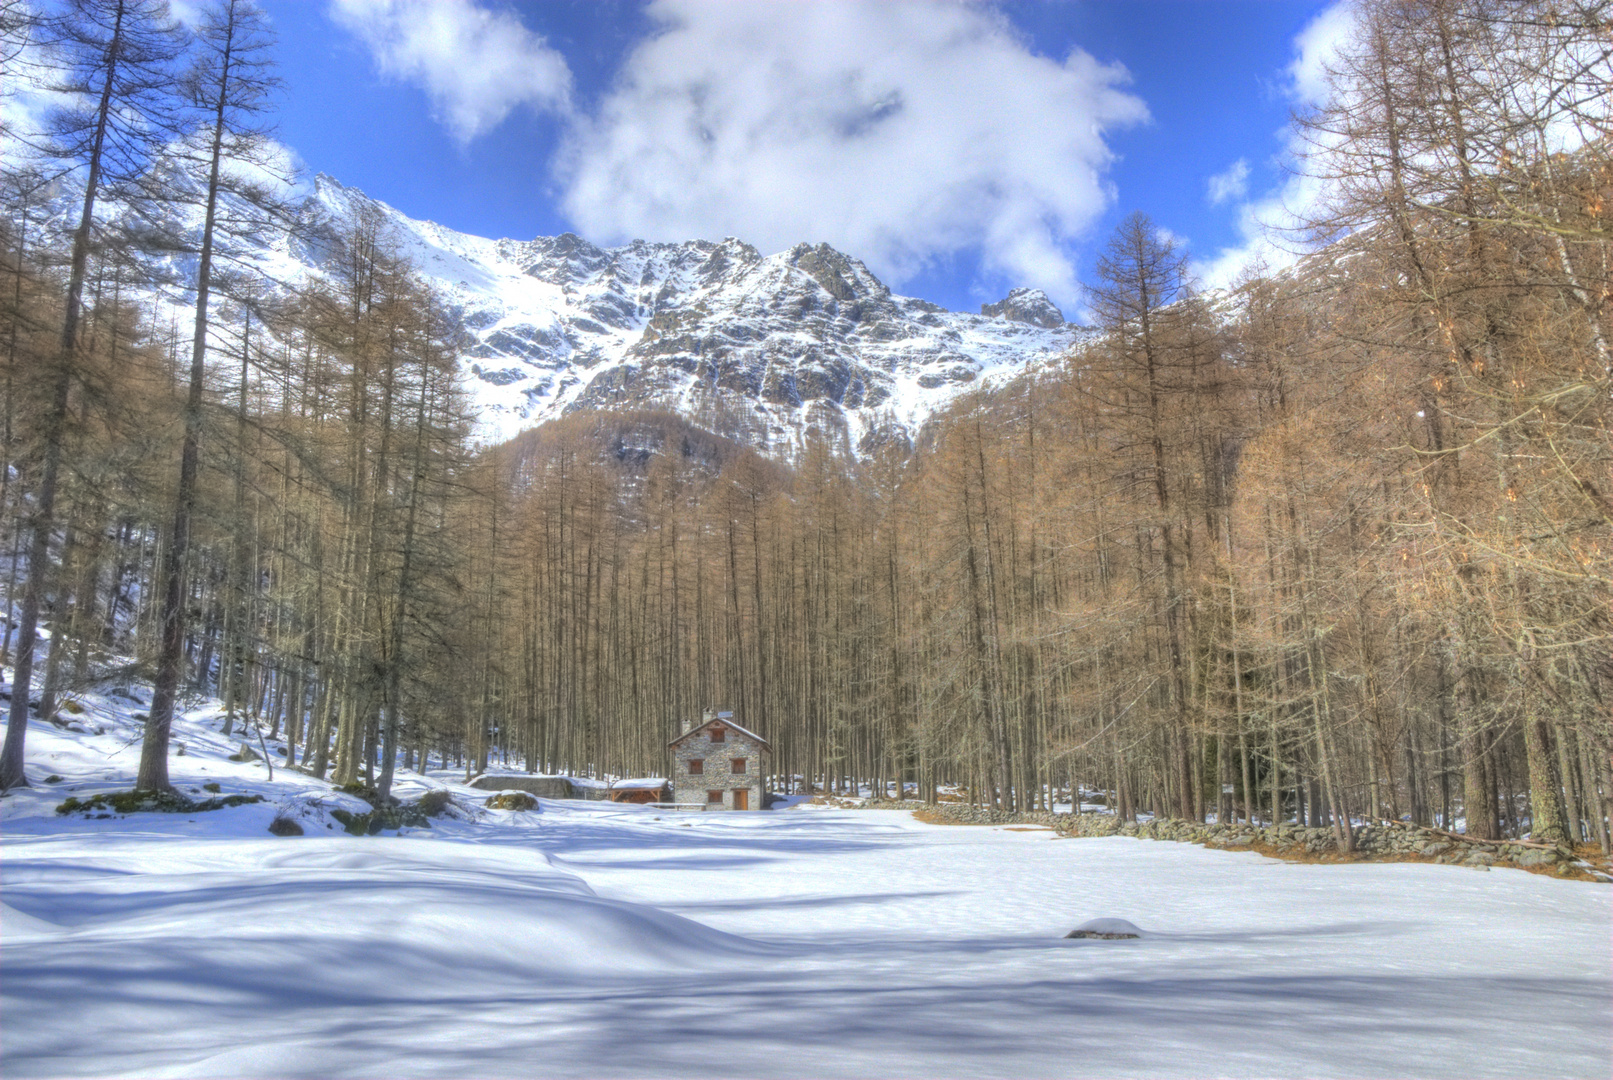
738, 765
714, 797
717, 734
697, 766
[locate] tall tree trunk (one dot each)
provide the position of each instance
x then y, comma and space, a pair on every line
153, 774
52, 431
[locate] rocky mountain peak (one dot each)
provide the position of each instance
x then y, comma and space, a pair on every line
841, 277
724, 259
768, 350
1029, 306
564, 259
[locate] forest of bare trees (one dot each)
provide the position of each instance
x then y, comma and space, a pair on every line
1335, 545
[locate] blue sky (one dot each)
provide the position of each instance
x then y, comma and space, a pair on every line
953, 149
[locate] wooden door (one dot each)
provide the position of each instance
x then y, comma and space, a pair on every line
741, 798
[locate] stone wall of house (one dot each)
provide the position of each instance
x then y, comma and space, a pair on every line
717, 773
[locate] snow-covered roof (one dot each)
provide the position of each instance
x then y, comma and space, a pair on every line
648, 783
725, 722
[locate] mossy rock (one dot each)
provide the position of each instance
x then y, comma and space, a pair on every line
512, 800
382, 819
212, 787
53, 779
353, 823
284, 826
150, 802
363, 791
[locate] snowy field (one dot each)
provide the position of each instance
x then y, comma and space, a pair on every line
591, 939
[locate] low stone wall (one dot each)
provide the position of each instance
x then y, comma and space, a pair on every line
1399, 841
545, 787
964, 814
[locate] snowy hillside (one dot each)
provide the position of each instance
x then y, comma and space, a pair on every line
596, 939
763, 347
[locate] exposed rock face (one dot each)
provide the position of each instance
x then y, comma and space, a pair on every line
1029, 306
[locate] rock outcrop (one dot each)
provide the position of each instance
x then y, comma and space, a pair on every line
1029, 306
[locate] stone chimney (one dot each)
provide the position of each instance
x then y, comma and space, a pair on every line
705, 716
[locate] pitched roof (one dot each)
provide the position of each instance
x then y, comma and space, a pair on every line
725, 722
648, 783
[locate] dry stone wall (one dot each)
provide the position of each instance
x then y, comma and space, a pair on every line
1389, 841
545, 787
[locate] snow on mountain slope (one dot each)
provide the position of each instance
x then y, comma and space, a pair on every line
761, 348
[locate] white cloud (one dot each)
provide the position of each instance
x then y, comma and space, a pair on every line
476, 65
1229, 185
27, 89
1315, 48
272, 166
901, 133
1271, 226
188, 12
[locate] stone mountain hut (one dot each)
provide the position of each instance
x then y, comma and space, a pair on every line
719, 765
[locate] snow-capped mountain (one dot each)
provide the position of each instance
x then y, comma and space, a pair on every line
760, 347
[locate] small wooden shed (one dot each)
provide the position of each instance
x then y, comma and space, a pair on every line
719, 765
648, 790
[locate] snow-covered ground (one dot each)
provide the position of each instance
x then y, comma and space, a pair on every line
593, 939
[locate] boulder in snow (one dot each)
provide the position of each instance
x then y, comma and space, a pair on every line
512, 800
1106, 929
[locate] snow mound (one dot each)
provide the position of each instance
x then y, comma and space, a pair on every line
562, 935
1106, 929
19, 926
312, 808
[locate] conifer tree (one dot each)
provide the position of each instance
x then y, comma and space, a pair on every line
229, 87
118, 57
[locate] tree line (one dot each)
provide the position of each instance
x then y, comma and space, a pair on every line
1332, 545
257, 505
